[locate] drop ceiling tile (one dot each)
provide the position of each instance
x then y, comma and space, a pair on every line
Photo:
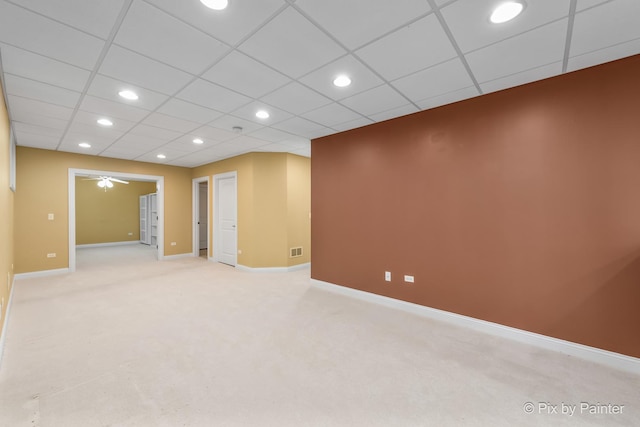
98, 143
38, 91
362, 78
469, 22
604, 26
248, 112
168, 122
37, 130
96, 17
46, 70
524, 77
533, 49
302, 127
242, 74
238, 20
274, 147
600, 56
38, 120
448, 98
89, 121
113, 110
377, 100
434, 81
357, 22
412, 48
402, 110
209, 95
245, 142
130, 67
135, 142
352, 124
154, 33
305, 152
108, 88
296, 98
24, 106
27, 30
297, 143
188, 111
214, 134
185, 144
585, 4
228, 122
158, 134
292, 45
272, 135
152, 156
34, 140
331, 115
92, 132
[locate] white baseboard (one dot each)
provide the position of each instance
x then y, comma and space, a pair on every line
42, 273
604, 357
3, 333
273, 269
178, 256
104, 245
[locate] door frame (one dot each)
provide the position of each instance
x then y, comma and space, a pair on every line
73, 173
196, 211
217, 242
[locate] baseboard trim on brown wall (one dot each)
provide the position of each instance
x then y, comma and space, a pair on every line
614, 360
41, 273
3, 333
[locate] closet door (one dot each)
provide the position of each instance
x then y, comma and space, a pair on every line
144, 219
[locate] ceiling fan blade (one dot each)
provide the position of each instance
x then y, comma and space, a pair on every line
119, 180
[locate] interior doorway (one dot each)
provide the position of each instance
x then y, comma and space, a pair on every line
201, 217
73, 173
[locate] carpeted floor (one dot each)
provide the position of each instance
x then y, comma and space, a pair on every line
129, 341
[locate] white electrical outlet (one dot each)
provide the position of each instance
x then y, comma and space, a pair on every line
50, 217
51, 255
130, 233
387, 276
173, 243
408, 279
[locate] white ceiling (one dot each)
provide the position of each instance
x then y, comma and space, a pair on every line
200, 72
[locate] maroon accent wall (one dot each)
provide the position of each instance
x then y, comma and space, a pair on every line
520, 207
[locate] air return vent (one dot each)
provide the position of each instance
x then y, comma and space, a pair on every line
295, 252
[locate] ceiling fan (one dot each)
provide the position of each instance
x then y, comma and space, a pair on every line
106, 181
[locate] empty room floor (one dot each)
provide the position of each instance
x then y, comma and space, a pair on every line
130, 341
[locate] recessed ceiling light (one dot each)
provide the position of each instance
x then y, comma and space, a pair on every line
161, 156
506, 12
262, 114
215, 4
85, 145
342, 81
198, 141
128, 94
105, 122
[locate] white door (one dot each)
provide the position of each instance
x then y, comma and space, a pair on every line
226, 209
203, 203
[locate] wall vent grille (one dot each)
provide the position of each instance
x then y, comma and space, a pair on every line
295, 252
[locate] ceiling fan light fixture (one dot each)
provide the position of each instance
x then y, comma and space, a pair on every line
215, 4
102, 183
506, 11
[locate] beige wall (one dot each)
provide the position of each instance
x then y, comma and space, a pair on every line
42, 188
274, 193
299, 206
109, 216
6, 214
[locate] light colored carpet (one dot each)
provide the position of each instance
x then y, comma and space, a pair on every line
129, 341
